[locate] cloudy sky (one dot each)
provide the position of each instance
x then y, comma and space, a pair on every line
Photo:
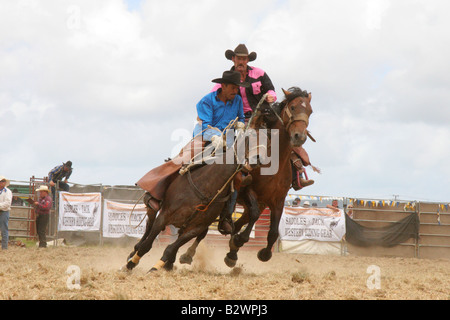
112, 85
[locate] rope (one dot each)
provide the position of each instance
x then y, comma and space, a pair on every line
256, 109
129, 219
239, 168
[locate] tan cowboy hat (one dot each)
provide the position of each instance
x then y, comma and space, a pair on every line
4, 178
43, 188
240, 51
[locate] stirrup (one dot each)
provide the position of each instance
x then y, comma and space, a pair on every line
151, 202
247, 180
295, 185
306, 183
220, 226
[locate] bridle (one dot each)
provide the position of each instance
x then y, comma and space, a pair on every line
302, 116
291, 117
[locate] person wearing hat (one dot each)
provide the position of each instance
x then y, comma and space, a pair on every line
261, 84
306, 204
42, 209
258, 80
218, 108
5, 207
59, 173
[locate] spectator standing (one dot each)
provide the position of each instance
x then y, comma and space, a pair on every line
5, 207
42, 209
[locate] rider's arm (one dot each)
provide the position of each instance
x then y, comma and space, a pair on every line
205, 114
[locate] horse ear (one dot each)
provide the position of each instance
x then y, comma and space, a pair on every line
309, 97
286, 93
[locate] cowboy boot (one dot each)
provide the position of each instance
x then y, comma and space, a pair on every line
306, 183
247, 180
151, 202
226, 225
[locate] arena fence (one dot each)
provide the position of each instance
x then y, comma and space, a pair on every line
433, 241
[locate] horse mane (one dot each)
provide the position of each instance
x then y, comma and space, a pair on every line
295, 92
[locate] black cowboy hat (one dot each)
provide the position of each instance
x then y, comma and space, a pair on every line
241, 51
232, 77
68, 164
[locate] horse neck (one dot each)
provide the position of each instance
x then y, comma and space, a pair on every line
285, 147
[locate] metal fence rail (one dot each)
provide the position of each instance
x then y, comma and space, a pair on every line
434, 232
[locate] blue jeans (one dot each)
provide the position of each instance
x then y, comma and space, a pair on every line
4, 219
61, 186
232, 202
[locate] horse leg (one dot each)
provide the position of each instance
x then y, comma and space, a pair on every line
151, 215
169, 255
158, 226
190, 252
243, 220
238, 240
266, 253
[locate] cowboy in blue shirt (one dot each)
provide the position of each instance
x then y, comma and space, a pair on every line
218, 108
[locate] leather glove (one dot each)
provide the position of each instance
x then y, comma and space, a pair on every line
239, 126
217, 142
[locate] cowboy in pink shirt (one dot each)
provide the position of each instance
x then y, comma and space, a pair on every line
259, 81
261, 84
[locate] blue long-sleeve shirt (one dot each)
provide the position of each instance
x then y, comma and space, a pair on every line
58, 174
214, 112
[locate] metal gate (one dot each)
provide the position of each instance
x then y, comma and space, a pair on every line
22, 220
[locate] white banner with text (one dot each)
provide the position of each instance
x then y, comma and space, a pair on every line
120, 219
320, 224
79, 211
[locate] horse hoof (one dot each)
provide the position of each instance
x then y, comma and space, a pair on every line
133, 261
168, 266
185, 259
130, 265
152, 270
264, 255
131, 255
125, 269
230, 262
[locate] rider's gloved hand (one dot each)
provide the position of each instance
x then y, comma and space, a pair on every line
239, 126
217, 142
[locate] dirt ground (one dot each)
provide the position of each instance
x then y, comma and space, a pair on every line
45, 274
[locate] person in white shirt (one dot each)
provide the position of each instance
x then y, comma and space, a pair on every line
5, 207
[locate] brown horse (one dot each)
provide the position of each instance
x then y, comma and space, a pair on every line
192, 202
290, 120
